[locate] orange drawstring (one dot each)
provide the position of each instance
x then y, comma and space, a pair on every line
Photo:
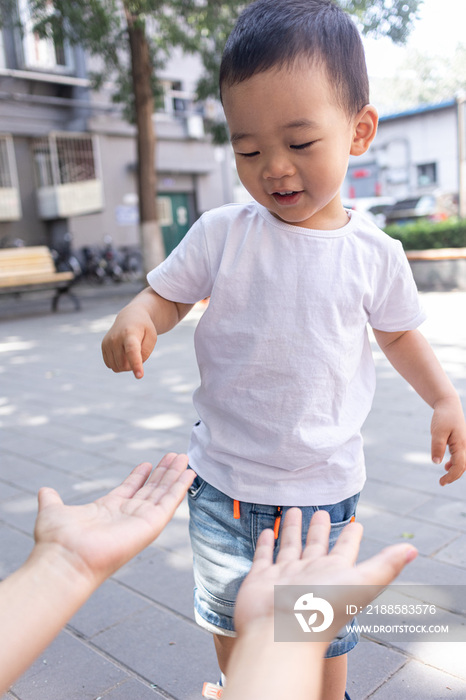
278, 517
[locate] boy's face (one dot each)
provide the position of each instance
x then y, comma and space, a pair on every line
292, 142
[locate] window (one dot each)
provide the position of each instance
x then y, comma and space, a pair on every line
67, 172
60, 159
10, 206
2, 51
165, 211
174, 100
7, 162
37, 53
427, 174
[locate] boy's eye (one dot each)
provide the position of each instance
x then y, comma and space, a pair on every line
302, 146
248, 155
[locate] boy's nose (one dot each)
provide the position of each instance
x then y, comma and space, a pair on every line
277, 167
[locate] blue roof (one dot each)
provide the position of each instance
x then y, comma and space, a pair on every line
421, 109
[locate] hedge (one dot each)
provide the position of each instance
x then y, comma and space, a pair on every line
424, 235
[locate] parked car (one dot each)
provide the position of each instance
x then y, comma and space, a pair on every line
373, 207
433, 207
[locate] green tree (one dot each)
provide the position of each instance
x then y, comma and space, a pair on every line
425, 78
376, 18
133, 38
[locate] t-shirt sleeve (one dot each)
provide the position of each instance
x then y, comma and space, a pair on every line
398, 308
185, 276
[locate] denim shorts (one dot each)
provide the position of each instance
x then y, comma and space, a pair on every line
223, 549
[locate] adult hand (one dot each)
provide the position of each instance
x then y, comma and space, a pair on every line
98, 538
314, 565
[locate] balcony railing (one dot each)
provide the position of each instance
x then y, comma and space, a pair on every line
67, 172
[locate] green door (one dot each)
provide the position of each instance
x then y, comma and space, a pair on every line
175, 218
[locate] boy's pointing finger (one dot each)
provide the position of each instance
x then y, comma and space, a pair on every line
132, 349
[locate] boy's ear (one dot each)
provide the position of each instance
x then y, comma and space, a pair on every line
365, 129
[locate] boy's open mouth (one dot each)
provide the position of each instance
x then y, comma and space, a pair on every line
286, 196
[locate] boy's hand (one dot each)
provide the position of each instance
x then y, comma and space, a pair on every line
449, 428
130, 341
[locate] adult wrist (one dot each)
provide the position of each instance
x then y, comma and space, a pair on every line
51, 561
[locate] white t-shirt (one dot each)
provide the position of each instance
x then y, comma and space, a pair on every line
287, 376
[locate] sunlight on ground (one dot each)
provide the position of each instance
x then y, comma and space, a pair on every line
445, 656
95, 439
23, 505
422, 458
99, 325
15, 344
96, 485
161, 421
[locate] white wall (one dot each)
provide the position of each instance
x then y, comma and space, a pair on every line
403, 143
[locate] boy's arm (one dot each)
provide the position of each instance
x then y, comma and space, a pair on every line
133, 336
411, 355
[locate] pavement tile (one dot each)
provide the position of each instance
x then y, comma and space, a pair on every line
39, 421
430, 570
369, 665
395, 500
20, 511
132, 690
74, 460
133, 450
6, 490
29, 474
402, 473
164, 577
165, 650
108, 606
389, 529
443, 511
68, 669
454, 553
417, 681
15, 547
444, 656
25, 446
175, 537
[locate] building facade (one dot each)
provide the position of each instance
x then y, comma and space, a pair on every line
416, 152
68, 158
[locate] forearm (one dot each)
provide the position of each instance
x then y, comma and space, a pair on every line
35, 602
260, 667
411, 355
164, 314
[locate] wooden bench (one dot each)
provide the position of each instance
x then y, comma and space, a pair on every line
439, 269
437, 254
32, 269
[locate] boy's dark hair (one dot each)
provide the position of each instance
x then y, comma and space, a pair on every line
276, 33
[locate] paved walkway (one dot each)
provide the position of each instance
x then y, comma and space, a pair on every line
70, 423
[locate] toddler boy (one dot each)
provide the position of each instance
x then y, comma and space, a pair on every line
287, 376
